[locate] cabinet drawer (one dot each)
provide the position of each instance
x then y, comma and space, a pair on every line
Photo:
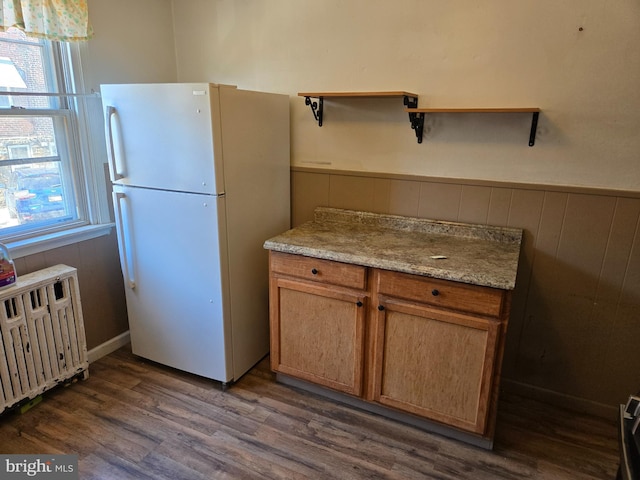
442, 293
318, 270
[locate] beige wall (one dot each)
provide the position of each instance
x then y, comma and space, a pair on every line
458, 54
574, 326
133, 42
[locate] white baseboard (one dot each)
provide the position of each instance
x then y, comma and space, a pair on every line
109, 346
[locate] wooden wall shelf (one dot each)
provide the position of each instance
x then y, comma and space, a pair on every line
358, 94
317, 108
416, 115
419, 114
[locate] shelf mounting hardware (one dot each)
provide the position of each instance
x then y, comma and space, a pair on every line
534, 127
316, 108
416, 119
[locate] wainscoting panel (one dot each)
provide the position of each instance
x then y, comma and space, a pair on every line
575, 324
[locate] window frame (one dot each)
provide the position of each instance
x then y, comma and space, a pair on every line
82, 113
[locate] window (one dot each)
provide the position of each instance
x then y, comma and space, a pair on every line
43, 179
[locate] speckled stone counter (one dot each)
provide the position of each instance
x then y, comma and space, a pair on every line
475, 254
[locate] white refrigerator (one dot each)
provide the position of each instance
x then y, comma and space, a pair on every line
200, 176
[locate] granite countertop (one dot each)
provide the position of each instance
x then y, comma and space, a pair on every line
475, 254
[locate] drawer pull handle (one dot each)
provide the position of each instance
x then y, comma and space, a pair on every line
381, 307
359, 304
435, 292
314, 271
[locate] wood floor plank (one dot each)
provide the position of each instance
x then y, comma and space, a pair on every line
129, 443
100, 466
135, 419
359, 434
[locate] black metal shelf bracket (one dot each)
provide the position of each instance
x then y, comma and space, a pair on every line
316, 108
534, 127
416, 118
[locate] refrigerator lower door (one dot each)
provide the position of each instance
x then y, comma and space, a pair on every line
173, 251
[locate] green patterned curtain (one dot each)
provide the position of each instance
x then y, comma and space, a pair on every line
64, 20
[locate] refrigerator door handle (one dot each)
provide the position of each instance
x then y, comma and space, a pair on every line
115, 165
124, 239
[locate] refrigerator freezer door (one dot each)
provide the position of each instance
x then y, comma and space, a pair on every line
173, 251
164, 136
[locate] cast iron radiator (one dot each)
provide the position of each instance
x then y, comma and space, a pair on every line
42, 339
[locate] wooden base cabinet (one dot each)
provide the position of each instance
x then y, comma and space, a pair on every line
430, 348
436, 347
317, 325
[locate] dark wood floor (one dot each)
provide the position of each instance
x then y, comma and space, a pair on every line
136, 419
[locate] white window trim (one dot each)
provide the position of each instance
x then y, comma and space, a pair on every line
45, 242
91, 139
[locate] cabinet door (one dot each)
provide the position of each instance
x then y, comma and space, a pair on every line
434, 363
317, 333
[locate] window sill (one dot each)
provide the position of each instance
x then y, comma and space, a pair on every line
42, 243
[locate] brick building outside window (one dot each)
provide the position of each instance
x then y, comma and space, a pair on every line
40, 168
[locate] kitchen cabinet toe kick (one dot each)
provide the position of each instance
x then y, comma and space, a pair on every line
396, 415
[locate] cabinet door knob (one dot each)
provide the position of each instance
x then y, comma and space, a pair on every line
381, 307
435, 292
314, 271
359, 303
